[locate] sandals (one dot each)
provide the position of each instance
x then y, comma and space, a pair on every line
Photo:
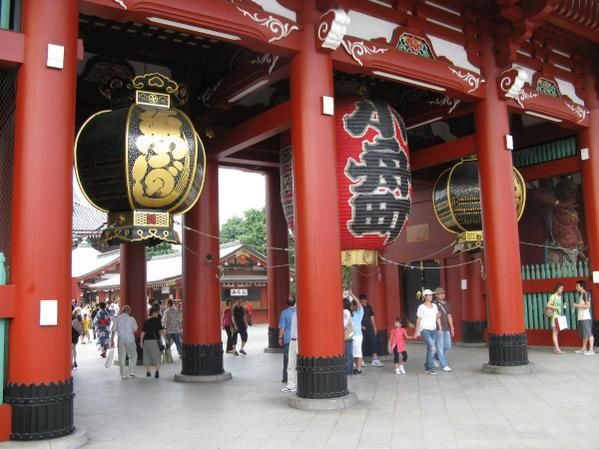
559, 352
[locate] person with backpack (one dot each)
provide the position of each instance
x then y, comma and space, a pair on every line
585, 323
76, 332
446, 332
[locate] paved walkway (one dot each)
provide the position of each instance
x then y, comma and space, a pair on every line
556, 407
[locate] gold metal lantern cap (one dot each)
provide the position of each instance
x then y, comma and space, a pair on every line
141, 163
457, 205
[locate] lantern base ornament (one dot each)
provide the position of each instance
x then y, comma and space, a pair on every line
352, 257
322, 377
469, 241
149, 226
41, 411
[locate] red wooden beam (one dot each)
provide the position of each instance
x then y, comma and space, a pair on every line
444, 152
551, 169
239, 23
247, 163
255, 130
11, 50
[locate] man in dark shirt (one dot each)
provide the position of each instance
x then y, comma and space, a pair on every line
240, 323
369, 344
445, 334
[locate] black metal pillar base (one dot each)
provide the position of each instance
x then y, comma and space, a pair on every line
508, 350
202, 360
596, 333
41, 412
321, 377
273, 338
473, 331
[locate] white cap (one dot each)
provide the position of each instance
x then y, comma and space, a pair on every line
427, 292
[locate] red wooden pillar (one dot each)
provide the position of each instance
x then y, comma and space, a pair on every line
369, 280
278, 260
507, 338
473, 301
133, 280
202, 341
321, 360
393, 293
40, 386
589, 138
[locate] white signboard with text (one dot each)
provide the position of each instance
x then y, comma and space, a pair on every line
239, 292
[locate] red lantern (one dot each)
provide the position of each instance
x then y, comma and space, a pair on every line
373, 177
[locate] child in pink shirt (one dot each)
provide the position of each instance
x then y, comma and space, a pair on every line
397, 345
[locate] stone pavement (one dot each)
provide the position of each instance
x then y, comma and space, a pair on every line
554, 408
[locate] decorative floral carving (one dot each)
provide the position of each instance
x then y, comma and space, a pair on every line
580, 112
415, 45
266, 58
274, 25
548, 87
452, 103
358, 48
473, 81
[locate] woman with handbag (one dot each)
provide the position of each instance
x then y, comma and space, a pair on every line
554, 310
150, 341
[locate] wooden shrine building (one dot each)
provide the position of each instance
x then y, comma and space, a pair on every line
353, 109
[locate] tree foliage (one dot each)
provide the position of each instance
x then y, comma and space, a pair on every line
158, 250
251, 229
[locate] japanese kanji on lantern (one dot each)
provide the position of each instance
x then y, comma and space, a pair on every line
373, 178
142, 162
456, 200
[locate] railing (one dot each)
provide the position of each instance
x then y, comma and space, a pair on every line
551, 151
534, 310
555, 271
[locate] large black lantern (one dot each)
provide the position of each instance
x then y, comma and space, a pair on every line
456, 200
142, 162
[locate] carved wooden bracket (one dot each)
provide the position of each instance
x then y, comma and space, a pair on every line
331, 28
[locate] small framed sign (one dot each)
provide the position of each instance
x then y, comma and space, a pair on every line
48, 312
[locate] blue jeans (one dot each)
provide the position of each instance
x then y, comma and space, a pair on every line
428, 336
349, 355
285, 361
443, 343
176, 337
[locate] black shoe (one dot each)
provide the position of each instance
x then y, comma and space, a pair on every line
148, 375
156, 374
357, 371
75, 365
241, 351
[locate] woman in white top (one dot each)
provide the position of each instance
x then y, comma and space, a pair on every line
427, 323
348, 335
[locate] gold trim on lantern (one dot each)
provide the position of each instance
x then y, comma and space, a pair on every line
469, 240
154, 99
350, 257
195, 168
435, 203
75, 156
126, 147
519, 192
455, 220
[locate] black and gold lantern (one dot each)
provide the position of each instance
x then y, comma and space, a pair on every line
141, 163
456, 200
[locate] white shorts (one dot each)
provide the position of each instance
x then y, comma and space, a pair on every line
357, 345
